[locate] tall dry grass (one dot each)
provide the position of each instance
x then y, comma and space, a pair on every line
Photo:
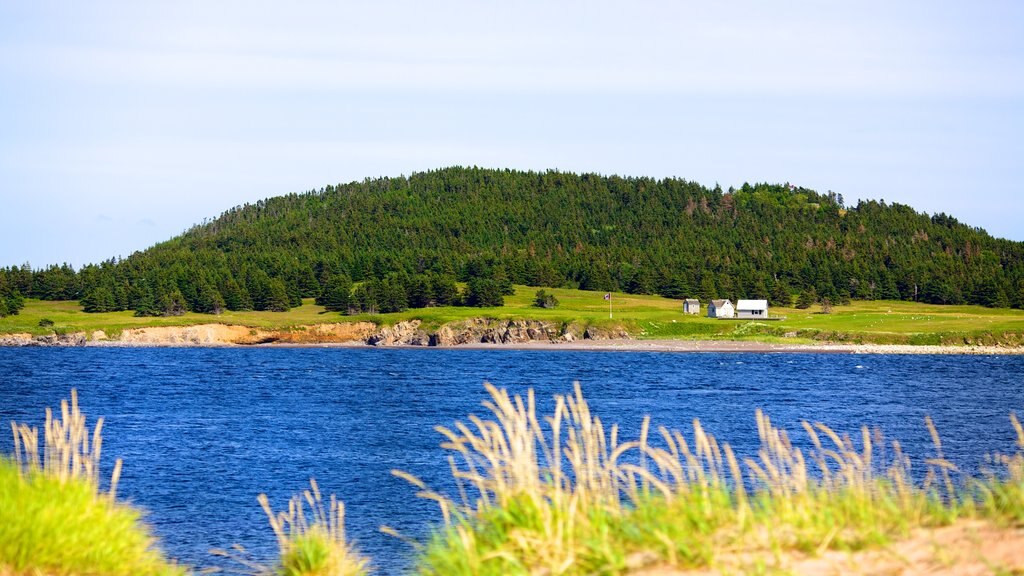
567, 495
54, 518
67, 452
310, 537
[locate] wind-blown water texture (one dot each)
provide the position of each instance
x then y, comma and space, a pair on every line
203, 431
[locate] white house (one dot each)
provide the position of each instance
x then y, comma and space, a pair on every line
721, 309
752, 309
691, 306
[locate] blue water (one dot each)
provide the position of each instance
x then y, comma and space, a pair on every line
203, 431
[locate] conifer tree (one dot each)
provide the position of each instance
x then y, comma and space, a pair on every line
172, 303
337, 294
99, 299
276, 296
807, 298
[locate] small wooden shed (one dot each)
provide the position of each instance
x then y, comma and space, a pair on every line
721, 309
691, 306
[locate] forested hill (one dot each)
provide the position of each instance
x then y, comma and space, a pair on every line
394, 242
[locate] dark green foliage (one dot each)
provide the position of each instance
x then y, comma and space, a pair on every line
209, 300
554, 229
171, 303
419, 292
484, 292
780, 295
806, 299
45, 322
236, 298
275, 297
364, 299
445, 291
145, 304
11, 300
100, 299
391, 295
337, 294
545, 299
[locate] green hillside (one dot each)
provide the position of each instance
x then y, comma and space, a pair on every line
389, 244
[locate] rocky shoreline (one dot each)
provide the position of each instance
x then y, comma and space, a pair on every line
472, 333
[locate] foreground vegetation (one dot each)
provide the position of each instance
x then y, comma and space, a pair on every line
643, 316
55, 520
558, 494
563, 495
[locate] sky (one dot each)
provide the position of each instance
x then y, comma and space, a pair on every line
124, 123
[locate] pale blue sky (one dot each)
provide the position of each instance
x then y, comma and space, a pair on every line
123, 123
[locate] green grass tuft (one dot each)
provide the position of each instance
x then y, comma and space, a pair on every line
568, 497
53, 517
49, 525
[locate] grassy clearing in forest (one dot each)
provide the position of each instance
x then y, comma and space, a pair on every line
648, 317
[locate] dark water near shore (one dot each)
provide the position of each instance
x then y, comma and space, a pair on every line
203, 431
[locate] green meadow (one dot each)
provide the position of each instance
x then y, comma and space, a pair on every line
645, 317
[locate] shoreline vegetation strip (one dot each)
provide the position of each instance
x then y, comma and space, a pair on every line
563, 493
641, 318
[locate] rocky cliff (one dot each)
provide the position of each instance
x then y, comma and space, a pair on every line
489, 331
406, 333
75, 339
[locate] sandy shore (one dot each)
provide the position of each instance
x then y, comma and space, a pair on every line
742, 346
710, 346
197, 337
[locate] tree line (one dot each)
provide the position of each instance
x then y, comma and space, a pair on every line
388, 244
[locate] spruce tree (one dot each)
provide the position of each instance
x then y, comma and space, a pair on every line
276, 296
172, 303
446, 292
99, 299
807, 298
337, 294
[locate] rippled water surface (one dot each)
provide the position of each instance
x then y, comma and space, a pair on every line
203, 431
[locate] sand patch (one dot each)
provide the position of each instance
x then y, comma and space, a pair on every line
965, 548
224, 334
336, 333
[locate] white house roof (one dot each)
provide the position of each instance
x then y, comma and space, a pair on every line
752, 305
720, 303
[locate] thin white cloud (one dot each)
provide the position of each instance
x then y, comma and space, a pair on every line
665, 48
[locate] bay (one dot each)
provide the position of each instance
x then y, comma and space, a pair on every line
202, 431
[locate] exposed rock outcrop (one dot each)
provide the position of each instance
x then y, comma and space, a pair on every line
612, 333
15, 339
406, 333
493, 331
73, 339
489, 331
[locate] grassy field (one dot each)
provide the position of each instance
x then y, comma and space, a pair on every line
651, 317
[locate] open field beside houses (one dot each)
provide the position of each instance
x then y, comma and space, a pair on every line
642, 316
